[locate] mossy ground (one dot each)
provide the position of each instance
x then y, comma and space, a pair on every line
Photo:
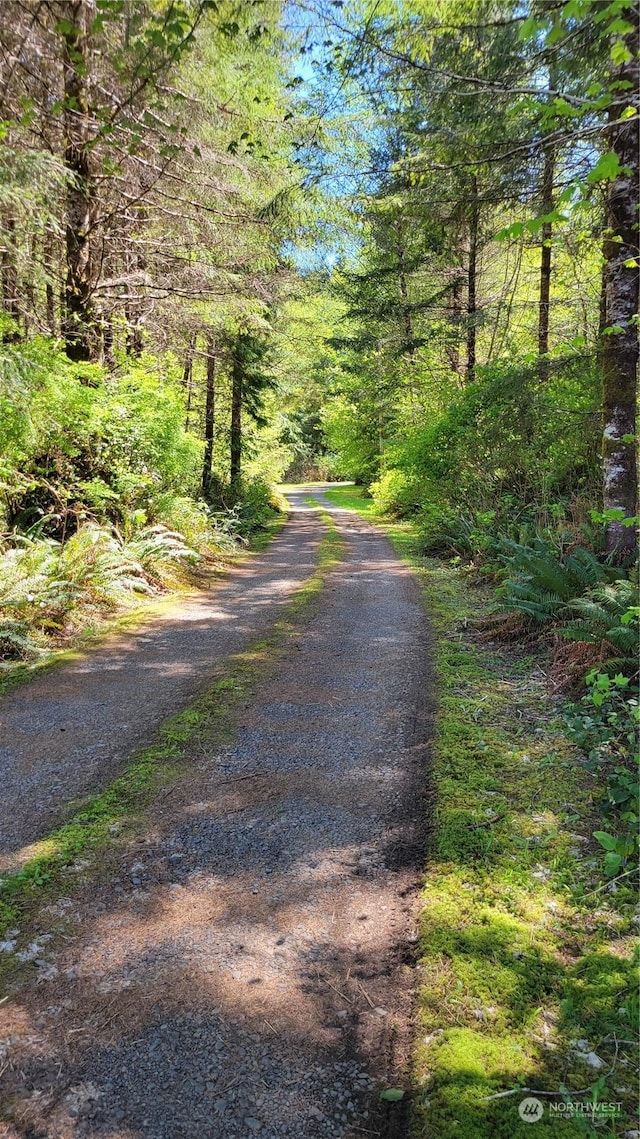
117, 814
524, 950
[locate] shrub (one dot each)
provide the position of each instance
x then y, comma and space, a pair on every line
396, 493
605, 724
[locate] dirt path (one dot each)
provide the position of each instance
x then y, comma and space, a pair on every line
247, 969
70, 731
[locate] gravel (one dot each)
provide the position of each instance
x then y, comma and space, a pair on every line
248, 970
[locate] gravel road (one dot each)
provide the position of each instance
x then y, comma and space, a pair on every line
70, 731
246, 969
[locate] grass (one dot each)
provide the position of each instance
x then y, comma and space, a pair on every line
524, 952
117, 813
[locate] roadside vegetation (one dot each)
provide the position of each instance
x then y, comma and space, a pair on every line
103, 505
527, 970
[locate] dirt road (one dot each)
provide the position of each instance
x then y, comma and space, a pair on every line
246, 970
70, 731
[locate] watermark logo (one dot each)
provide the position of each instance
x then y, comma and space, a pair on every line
600, 1108
530, 1109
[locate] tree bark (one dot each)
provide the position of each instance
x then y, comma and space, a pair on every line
236, 419
545, 264
620, 342
78, 329
49, 267
472, 303
455, 309
209, 414
10, 280
187, 377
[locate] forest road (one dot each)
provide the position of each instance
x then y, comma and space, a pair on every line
246, 967
69, 731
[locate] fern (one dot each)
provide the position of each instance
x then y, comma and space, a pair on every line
540, 584
16, 642
606, 617
157, 546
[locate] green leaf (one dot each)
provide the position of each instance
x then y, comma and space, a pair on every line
631, 263
392, 1095
628, 113
66, 27
608, 841
574, 9
619, 27
607, 166
531, 27
620, 53
515, 230
612, 863
556, 33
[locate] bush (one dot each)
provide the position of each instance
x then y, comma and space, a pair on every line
605, 724
396, 493
247, 508
79, 444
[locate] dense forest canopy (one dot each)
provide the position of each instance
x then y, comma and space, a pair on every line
394, 241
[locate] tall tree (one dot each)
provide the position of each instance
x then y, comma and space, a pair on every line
622, 274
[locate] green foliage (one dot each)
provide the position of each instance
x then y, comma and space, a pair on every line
606, 725
48, 587
540, 584
78, 443
254, 508
607, 617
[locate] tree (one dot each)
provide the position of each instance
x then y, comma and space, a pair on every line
620, 343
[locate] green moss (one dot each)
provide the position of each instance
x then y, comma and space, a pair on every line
471, 1068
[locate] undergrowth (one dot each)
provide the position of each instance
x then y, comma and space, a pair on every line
527, 985
58, 597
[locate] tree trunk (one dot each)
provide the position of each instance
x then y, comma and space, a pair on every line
236, 419
78, 330
107, 343
620, 344
136, 265
134, 343
545, 264
409, 347
472, 304
455, 309
209, 414
10, 280
49, 268
187, 377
